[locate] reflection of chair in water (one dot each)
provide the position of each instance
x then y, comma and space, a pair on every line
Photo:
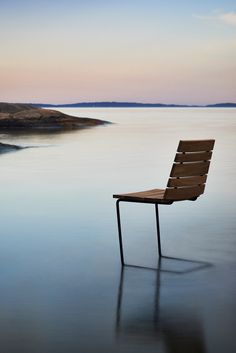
170, 324
187, 182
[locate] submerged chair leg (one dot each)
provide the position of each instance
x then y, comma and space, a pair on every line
119, 232
158, 230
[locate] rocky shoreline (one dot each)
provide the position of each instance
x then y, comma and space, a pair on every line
29, 118
5, 147
26, 118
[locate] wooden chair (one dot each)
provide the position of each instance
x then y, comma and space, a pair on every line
186, 182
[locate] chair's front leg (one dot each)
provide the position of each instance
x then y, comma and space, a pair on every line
119, 232
158, 230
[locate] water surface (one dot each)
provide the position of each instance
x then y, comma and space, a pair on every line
61, 285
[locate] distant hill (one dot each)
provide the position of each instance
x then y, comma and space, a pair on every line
133, 105
222, 105
112, 105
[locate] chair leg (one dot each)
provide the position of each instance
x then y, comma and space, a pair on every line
119, 232
158, 230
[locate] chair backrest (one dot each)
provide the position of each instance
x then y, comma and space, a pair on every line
189, 171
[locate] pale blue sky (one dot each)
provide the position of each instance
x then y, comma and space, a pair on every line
148, 51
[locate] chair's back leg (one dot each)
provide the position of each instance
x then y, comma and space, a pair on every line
119, 232
158, 230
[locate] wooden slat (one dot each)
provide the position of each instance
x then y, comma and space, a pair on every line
191, 181
195, 145
184, 193
193, 157
148, 196
189, 169
153, 194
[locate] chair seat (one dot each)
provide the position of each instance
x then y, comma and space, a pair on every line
147, 196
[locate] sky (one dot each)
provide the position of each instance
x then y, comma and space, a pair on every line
67, 51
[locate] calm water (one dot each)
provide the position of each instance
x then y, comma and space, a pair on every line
61, 287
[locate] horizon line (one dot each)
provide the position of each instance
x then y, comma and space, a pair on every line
135, 103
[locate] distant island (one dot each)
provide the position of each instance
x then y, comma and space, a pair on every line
30, 117
132, 105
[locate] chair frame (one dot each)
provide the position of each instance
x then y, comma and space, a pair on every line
120, 230
165, 201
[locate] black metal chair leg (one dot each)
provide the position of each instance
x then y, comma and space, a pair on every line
119, 232
158, 230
